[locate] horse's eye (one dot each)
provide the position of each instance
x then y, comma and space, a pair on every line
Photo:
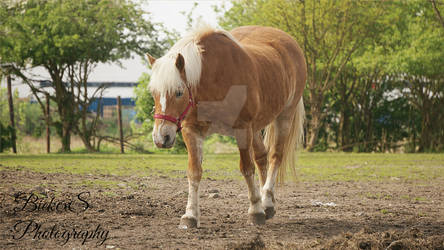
179, 93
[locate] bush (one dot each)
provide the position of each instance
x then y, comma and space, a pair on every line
5, 137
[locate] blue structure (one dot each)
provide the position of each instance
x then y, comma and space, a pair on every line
110, 101
109, 98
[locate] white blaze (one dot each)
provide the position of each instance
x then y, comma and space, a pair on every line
163, 103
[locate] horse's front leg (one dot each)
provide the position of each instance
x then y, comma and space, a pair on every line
193, 141
245, 143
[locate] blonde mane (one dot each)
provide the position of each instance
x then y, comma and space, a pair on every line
165, 78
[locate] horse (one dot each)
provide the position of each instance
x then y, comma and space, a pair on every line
246, 83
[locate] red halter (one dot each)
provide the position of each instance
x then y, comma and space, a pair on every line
178, 121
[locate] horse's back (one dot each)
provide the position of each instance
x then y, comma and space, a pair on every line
261, 35
280, 64
274, 44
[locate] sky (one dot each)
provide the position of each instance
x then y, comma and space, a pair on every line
167, 12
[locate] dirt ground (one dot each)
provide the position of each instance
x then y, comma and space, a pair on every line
140, 213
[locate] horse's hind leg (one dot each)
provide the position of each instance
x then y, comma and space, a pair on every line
244, 139
281, 126
260, 157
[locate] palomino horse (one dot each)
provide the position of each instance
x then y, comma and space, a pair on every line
234, 83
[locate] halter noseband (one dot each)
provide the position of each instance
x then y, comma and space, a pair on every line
178, 121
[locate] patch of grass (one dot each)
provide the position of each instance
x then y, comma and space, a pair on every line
422, 214
109, 194
420, 198
311, 167
405, 197
413, 199
385, 211
97, 183
355, 167
379, 196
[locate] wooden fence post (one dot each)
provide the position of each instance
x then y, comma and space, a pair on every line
119, 122
11, 114
48, 129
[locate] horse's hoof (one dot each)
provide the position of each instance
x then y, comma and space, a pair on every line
188, 222
269, 212
257, 219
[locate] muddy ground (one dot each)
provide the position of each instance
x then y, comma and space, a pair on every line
139, 213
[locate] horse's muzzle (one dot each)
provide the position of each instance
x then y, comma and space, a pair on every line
164, 136
167, 142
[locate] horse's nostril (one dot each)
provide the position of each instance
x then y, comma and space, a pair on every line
166, 138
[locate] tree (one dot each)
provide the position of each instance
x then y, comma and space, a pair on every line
329, 32
68, 39
418, 64
400, 89
360, 88
375, 78
438, 8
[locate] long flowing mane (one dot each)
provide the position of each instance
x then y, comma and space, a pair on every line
165, 78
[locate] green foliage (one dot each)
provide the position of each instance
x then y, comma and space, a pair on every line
62, 33
30, 119
28, 116
144, 103
4, 108
329, 32
422, 47
5, 137
375, 77
68, 38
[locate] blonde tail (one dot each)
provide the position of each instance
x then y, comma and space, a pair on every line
294, 141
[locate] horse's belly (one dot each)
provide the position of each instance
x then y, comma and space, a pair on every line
222, 129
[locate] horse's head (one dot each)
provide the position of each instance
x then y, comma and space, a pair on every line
172, 98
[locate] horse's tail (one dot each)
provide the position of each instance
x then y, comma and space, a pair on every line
294, 141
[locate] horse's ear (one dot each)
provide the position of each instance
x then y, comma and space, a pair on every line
151, 59
180, 62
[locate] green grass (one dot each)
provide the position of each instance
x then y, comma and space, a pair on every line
378, 196
311, 166
97, 183
349, 167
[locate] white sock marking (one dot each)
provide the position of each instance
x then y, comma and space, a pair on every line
254, 196
267, 200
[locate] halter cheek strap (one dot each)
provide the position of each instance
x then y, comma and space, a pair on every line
178, 121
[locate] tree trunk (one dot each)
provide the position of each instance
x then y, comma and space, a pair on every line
343, 130
66, 137
346, 133
425, 136
48, 129
424, 140
64, 100
87, 142
315, 123
313, 129
11, 115
67, 117
1, 140
369, 132
119, 122
314, 126
84, 132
